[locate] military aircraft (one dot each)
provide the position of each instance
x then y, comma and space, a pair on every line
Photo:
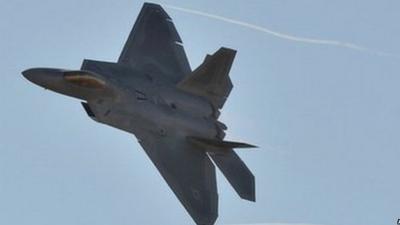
173, 111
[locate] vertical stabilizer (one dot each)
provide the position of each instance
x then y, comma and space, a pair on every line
211, 79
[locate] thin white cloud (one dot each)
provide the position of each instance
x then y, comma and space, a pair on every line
283, 35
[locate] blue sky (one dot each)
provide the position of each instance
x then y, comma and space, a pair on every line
326, 118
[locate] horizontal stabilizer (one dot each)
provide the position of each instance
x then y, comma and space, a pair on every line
211, 79
237, 174
219, 145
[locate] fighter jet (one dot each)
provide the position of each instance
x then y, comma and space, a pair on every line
173, 111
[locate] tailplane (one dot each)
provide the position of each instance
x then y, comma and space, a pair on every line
230, 164
237, 174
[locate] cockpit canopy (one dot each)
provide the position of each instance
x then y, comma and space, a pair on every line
85, 79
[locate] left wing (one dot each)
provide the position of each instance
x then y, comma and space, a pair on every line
189, 173
154, 43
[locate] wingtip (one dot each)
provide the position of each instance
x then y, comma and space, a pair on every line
155, 7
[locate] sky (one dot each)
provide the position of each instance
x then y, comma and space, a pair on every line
326, 117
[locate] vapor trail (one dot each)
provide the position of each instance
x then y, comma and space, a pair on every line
283, 35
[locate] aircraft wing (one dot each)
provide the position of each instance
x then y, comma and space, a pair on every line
189, 173
154, 44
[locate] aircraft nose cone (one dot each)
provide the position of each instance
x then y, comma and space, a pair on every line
31, 74
44, 77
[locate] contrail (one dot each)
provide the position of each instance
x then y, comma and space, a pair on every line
283, 35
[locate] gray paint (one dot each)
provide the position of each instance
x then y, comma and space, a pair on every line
173, 112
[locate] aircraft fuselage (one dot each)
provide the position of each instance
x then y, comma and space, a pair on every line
133, 99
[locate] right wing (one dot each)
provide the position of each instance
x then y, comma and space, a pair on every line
154, 44
189, 173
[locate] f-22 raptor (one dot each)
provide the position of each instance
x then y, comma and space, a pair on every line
173, 111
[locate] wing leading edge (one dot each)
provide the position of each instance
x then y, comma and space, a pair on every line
154, 44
